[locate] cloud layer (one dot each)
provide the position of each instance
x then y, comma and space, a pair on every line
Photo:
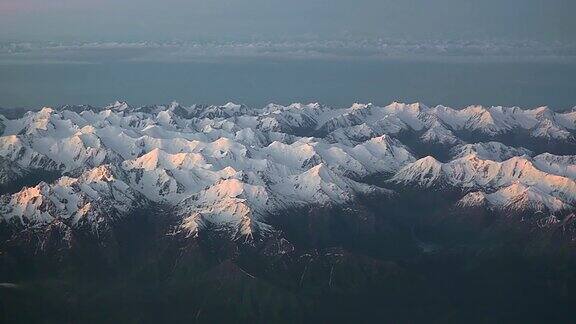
181, 51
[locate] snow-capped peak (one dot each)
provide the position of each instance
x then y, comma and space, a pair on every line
233, 166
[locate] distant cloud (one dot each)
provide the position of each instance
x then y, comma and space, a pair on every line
96, 52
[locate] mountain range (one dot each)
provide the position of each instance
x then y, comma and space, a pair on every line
282, 180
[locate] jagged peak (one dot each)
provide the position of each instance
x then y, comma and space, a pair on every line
29, 193
518, 196
232, 105
150, 160
384, 139
45, 112
158, 158
473, 199
173, 105
300, 106
11, 139
229, 187
361, 106
542, 110
117, 106
428, 161
489, 150
319, 171
103, 173
228, 172
224, 143
521, 162
415, 106
475, 109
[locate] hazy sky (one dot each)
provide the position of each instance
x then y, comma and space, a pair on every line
87, 20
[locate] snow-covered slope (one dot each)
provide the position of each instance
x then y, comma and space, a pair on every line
229, 164
232, 166
516, 197
489, 151
513, 182
9, 171
95, 195
441, 124
560, 165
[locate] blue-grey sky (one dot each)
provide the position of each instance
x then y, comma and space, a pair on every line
87, 20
